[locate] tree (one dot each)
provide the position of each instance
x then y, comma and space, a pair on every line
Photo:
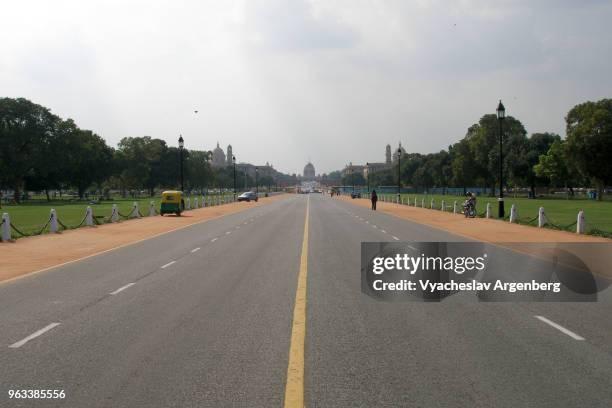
89, 160
553, 165
538, 144
354, 178
143, 162
440, 164
198, 171
462, 164
24, 127
589, 141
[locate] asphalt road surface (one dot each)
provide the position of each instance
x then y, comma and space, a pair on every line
203, 317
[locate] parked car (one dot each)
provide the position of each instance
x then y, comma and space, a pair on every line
248, 196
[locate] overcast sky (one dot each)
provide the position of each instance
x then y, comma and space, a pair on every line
285, 81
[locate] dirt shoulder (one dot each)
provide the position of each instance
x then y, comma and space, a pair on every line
39, 253
595, 258
480, 229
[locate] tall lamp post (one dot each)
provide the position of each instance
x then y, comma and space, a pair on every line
501, 114
368, 176
256, 182
399, 180
234, 162
181, 145
353, 178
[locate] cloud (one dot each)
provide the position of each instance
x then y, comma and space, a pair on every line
296, 26
335, 80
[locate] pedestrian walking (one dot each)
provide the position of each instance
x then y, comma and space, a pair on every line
374, 199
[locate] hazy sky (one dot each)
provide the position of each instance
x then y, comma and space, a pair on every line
285, 81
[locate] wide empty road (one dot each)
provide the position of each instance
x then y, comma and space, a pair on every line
204, 317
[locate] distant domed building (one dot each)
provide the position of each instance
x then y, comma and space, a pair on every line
218, 157
309, 172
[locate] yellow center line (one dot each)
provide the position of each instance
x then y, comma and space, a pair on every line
294, 389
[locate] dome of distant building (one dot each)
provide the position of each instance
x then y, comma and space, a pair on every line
218, 157
309, 172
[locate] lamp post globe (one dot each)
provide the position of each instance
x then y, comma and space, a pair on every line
181, 143
501, 114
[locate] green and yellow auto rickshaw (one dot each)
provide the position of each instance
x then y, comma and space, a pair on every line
172, 203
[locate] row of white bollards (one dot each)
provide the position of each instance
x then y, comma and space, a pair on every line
5, 226
513, 218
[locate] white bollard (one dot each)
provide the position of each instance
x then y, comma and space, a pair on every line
580, 223
6, 227
513, 214
541, 217
432, 204
134, 210
443, 207
423, 202
114, 214
89, 217
53, 222
488, 215
152, 209
195, 202
203, 201
188, 204
455, 207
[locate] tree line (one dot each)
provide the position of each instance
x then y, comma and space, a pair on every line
582, 159
40, 151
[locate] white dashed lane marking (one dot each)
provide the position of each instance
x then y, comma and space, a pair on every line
34, 335
195, 250
168, 264
560, 328
121, 289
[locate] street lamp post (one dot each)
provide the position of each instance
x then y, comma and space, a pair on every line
353, 178
181, 145
256, 182
399, 162
368, 176
501, 114
234, 162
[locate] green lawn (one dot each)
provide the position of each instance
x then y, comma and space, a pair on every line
30, 217
560, 212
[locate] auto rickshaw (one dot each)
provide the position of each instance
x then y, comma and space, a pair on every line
172, 203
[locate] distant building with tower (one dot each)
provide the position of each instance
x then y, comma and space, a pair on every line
218, 157
230, 154
390, 159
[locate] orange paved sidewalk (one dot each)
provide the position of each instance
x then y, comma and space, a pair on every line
43, 252
481, 229
596, 258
